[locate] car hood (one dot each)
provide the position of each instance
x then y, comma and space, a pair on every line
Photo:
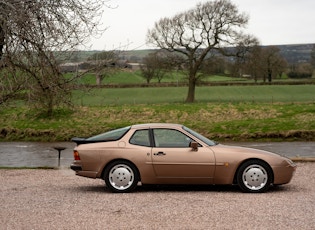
244, 151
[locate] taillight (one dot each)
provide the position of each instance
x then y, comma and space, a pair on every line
76, 155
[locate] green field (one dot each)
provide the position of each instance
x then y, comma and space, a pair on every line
218, 94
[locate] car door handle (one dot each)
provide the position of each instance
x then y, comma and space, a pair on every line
159, 153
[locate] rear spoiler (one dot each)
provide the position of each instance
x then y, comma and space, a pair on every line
81, 141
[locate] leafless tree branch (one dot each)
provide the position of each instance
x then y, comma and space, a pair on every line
213, 25
30, 33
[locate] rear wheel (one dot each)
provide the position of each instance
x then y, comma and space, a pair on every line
121, 176
254, 176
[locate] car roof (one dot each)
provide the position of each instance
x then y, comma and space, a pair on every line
156, 125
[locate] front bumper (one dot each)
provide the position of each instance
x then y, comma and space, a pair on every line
283, 174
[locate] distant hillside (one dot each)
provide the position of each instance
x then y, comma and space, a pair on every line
297, 53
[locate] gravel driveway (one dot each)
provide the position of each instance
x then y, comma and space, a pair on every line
57, 199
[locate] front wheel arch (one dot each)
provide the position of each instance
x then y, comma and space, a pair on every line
242, 166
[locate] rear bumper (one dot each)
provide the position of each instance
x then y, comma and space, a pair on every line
76, 168
79, 171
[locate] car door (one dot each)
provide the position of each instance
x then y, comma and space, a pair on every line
172, 156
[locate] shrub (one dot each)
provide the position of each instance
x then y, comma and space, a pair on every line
299, 75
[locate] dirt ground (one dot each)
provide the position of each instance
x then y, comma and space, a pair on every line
57, 199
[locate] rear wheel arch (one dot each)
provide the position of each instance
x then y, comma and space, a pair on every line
118, 160
121, 176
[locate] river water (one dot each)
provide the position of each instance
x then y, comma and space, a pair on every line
39, 154
35, 154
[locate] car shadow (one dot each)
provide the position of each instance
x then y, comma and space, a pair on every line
179, 188
91, 189
187, 188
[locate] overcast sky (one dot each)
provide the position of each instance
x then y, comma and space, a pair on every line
273, 22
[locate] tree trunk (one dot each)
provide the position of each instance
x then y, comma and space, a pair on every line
2, 37
269, 75
191, 89
98, 79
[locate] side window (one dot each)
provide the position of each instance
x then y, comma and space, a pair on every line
140, 137
170, 138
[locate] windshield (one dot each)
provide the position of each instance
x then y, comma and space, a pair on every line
113, 135
200, 137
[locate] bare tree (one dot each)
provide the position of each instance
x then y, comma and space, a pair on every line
263, 63
214, 66
253, 64
273, 64
209, 26
155, 65
103, 64
300, 70
30, 32
242, 54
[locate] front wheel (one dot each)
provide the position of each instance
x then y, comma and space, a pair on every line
254, 176
121, 176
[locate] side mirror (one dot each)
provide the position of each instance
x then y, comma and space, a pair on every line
194, 146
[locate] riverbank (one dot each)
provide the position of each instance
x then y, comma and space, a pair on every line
217, 121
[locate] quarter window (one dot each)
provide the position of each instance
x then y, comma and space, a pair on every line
113, 135
140, 137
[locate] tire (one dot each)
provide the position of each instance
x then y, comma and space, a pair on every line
121, 176
254, 176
